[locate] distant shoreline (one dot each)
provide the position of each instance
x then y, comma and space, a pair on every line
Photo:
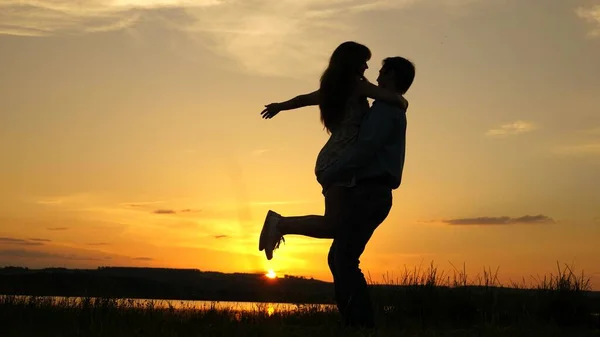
194, 285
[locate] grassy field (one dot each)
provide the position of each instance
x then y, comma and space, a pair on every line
421, 303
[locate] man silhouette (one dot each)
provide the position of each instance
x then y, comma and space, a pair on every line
358, 194
374, 166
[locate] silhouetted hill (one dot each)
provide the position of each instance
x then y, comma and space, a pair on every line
161, 283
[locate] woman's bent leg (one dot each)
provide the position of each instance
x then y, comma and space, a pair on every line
314, 226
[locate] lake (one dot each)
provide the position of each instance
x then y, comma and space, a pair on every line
267, 307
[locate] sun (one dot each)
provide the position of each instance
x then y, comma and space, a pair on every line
271, 274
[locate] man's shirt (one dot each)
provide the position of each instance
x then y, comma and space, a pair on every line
378, 152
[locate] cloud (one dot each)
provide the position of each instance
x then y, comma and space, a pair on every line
589, 149
53, 17
172, 211
143, 258
36, 254
592, 15
19, 242
63, 200
164, 211
40, 240
143, 203
98, 244
50, 201
260, 152
503, 220
514, 128
189, 210
266, 37
279, 38
57, 228
222, 236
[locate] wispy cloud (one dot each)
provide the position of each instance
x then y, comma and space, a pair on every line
221, 236
142, 203
49, 201
143, 258
57, 228
51, 17
189, 210
280, 38
269, 37
427, 221
68, 200
36, 254
502, 220
19, 242
40, 240
514, 128
173, 211
260, 152
590, 14
588, 149
97, 244
164, 211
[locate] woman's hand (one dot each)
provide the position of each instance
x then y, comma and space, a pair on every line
378, 93
295, 103
271, 110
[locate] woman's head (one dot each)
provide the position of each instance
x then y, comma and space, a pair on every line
350, 57
347, 65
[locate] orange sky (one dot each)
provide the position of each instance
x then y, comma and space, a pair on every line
130, 132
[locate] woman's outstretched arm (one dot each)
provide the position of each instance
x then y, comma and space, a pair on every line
297, 102
366, 88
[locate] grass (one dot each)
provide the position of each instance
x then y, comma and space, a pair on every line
429, 297
422, 302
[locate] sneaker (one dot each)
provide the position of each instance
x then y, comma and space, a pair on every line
270, 237
269, 219
274, 241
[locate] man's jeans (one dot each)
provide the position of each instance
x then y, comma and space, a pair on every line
357, 212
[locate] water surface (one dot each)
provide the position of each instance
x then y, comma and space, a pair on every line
268, 307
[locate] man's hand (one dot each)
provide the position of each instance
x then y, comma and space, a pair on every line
271, 110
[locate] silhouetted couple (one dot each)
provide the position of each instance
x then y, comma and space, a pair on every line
358, 167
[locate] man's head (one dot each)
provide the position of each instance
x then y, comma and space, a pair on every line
396, 73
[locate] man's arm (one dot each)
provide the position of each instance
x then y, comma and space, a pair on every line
297, 102
374, 132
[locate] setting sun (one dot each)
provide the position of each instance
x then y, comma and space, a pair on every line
271, 274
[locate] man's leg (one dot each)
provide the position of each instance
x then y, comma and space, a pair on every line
336, 203
367, 206
340, 300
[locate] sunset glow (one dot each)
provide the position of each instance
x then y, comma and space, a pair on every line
271, 274
130, 133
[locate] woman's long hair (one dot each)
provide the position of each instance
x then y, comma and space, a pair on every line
339, 80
